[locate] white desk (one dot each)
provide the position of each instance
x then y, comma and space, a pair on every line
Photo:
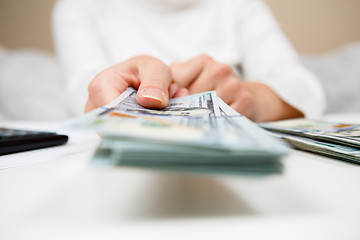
65, 198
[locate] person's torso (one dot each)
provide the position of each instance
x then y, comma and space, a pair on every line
128, 28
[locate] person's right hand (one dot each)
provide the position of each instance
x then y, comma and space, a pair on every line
149, 75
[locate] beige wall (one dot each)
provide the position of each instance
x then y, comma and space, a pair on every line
26, 23
318, 25
312, 25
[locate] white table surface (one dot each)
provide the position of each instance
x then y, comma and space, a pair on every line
66, 198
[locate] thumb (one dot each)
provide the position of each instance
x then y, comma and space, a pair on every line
155, 79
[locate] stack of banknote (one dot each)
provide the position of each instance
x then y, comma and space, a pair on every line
196, 133
332, 139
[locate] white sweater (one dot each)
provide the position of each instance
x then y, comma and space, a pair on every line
91, 35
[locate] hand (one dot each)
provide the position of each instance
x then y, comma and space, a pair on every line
254, 100
202, 73
149, 75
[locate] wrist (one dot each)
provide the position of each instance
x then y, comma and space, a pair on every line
268, 106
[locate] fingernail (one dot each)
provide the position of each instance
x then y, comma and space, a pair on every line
153, 93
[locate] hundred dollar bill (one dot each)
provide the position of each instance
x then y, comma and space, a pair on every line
339, 133
197, 133
346, 153
195, 105
188, 120
257, 154
115, 152
199, 120
241, 130
198, 110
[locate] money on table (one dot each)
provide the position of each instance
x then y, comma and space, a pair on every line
196, 133
333, 139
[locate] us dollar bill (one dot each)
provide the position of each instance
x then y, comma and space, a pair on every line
329, 149
189, 121
202, 120
198, 133
116, 152
347, 134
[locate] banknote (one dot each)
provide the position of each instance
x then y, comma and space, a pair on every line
116, 152
187, 121
341, 152
347, 134
194, 105
198, 133
200, 120
246, 132
196, 111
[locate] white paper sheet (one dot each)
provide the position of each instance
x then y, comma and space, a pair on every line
78, 141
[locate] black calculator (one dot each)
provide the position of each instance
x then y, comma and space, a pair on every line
17, 140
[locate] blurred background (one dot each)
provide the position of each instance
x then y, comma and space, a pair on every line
325, 32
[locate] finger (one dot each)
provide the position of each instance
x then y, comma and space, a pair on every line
228, 89
181, 92
238, 107
89, 106
175, 91
185, 73
173, 88
155, 78
244, 104
213, 73
109, 84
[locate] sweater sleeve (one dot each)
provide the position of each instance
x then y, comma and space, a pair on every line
78, 48
268, 57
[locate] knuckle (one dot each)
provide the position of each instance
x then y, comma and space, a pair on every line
147, 59
97, 83
222, 69
156, 65
144, 57
246, 99
175, 65
176, 71
94, 85
154, 82
205, 58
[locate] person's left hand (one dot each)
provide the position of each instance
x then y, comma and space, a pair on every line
254, 100
202, 73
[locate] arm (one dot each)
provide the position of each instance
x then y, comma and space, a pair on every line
279, 86
78, 48
252, 99
85, 67
270, 60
